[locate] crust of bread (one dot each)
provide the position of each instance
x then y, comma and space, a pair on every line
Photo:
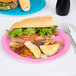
8, 0
35, 22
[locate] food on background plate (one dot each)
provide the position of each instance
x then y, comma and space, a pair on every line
30, 36
12, 4
25, 5
8, 4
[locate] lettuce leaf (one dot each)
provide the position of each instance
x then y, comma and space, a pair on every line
44, 31
15, 32
10, 33
54, 29
30, 31
19, 32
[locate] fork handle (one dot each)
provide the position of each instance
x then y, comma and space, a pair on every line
73, 43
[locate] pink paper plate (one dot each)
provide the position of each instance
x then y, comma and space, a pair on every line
62, 50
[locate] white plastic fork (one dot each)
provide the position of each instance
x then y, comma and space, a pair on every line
67, 31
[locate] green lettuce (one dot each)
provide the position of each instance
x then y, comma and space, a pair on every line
31, 31
44, 31
54, 29
15, 32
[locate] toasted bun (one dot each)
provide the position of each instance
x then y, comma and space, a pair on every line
36, 22
8, 0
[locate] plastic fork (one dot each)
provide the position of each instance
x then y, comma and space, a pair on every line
67, 31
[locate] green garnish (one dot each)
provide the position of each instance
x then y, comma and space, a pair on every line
0, 3
4, 4
7, 3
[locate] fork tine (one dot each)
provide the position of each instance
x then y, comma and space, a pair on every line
66, 28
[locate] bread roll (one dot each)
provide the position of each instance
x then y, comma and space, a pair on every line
35, 22
25, 5
8, 0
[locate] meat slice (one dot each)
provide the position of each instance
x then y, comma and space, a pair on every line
13, 5
38, 43
17, 39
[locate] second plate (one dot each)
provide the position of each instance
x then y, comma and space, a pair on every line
36, 5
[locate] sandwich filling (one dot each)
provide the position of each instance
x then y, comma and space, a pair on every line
32, 33
8, 5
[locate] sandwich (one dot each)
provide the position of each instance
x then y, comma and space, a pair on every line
8, 4
25, 5
33, 29
32, 37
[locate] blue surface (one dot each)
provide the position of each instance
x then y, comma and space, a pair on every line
36, 5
